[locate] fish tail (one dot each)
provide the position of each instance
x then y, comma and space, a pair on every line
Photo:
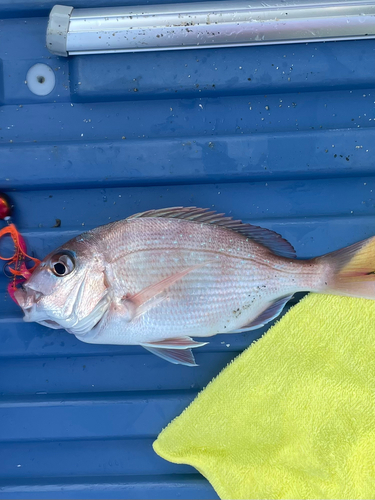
351, 270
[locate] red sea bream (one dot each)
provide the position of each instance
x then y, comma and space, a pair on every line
159, 278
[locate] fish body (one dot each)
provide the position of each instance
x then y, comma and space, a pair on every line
161, 277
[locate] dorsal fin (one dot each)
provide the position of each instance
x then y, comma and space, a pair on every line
273, 241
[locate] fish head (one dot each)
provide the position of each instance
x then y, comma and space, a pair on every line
65, 288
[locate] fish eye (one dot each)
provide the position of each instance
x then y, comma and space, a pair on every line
59, 269
62, 264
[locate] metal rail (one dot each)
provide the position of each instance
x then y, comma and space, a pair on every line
209, 24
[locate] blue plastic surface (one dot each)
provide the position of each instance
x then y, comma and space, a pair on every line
280, 136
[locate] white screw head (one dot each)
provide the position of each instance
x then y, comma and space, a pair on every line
40, 79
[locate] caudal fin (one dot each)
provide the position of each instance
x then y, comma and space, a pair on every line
353, 270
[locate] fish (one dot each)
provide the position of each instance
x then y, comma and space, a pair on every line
160, 278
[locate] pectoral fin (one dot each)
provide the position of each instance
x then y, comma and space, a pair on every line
154, 294
146, 306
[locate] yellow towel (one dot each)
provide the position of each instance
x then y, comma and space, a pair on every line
293, 417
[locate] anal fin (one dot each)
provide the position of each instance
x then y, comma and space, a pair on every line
273, 311
175, 356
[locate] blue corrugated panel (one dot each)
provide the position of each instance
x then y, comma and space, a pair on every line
281, 136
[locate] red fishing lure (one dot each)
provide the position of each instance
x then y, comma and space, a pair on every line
16, 263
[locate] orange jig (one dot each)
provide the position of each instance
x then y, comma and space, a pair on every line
17, 262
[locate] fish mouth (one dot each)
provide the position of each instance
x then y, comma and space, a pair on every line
26, 296
28, 300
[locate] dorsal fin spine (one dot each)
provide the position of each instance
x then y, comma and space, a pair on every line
271, 240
